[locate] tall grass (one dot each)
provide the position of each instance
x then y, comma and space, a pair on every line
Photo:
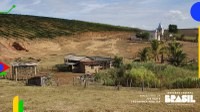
154, 75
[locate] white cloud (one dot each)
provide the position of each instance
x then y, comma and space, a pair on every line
90, 7
177, 15
36, 2
146, 1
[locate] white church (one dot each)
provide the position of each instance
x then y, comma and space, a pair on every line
158, 34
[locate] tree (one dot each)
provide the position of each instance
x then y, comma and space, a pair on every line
144, 35
173, 28
155, 48
176, 56
162, 51
144, 54
118, 62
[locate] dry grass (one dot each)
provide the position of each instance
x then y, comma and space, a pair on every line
92, 99
52, 51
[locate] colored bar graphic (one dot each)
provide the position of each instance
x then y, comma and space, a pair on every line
15, 104
18, 106
2, 73
199, 51
7, 12
3, 67
21, 106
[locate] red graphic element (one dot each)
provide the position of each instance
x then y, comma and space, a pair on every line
5, 67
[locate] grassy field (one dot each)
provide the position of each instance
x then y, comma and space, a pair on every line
92, 99
188, 38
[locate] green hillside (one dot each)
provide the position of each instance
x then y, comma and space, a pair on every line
45, 27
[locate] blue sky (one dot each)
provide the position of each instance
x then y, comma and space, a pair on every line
145, 14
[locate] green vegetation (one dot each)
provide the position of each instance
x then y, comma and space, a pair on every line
118, 62
184, 34
144, 54
155, 49
173, 28
182, 37
173, 52
44, 27
143, 35
176, 55
150, 75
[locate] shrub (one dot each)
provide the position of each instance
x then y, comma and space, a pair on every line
142, 74
168, 74
173, 28
109, 82
149, 75
144, 35
187, 82
107, 77
118, 62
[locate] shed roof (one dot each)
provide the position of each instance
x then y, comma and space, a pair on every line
74, 57
22, 64
71, 64
100, 58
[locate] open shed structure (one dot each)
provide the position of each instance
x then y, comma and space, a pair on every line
87, 64
23, 69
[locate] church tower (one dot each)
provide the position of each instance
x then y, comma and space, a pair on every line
159, 33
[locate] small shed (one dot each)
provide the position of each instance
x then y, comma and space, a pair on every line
85, 64
23, 68
74, 62
37, 81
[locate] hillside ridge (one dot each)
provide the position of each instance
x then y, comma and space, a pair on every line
31, 27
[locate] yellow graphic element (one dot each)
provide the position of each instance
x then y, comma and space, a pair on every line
15, 104
199, 51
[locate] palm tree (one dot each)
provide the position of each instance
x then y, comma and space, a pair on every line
162, 51
144, 54
155, 47
174, 47
176, 55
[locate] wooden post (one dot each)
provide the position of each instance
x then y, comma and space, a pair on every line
72, 68
30, 71
131, 82
35, 70
85, 83
118, 87
73, 81
57, 81
15, 73
12, 72
142, 85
